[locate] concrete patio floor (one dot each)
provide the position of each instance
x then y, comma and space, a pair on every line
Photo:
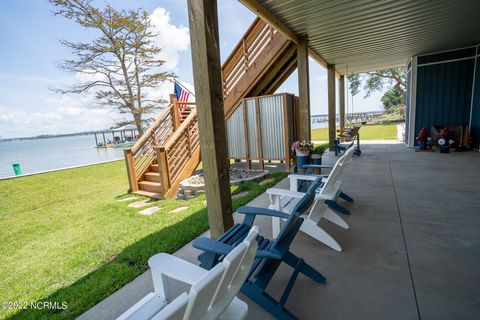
412, 251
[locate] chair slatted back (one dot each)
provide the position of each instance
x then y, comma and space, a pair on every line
238, 264
300, 208
214, 292
281, 244
202, 292
337, 171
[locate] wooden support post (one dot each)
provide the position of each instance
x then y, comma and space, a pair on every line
163, 169
245, 133
303, 89
341, 93
286, 132
259, 134
203, 20
132, 177
331, 106
175, 112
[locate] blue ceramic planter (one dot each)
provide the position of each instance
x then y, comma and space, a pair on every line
301, 161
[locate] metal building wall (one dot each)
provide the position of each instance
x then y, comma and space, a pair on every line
407, 101
475, 121
443, 93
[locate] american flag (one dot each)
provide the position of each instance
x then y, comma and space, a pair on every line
181, 93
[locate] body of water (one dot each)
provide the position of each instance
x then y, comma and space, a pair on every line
38, 155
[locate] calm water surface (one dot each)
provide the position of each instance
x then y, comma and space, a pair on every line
53, 153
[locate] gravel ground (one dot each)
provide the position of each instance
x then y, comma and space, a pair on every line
235, 175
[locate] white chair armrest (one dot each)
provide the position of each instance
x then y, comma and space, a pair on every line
310, 177
175, 268
285, 193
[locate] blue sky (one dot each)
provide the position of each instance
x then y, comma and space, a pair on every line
30, 52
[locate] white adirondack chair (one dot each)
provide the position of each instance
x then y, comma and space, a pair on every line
284, 200
212, 294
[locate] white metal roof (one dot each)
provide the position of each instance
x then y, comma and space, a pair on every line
371, 35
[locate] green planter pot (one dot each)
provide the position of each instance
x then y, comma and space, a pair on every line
317, 161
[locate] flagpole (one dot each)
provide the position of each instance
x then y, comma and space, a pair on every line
181, 85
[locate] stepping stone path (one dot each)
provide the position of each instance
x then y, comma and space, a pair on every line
127, 199
240, 194
179, 209
149, 211
139, 204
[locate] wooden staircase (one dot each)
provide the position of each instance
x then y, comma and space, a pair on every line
258, 65
155, 162
169, 151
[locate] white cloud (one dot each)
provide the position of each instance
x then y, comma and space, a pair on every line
171, 39
53, 113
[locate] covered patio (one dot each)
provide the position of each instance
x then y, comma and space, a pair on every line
412, 251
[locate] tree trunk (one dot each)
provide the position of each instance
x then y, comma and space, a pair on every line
137, 118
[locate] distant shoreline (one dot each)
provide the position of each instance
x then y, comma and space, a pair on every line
60, 169
48, 136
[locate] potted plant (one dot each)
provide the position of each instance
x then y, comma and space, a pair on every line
302, 151
317, 153
422, 138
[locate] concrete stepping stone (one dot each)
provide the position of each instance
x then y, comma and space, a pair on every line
139, 204
149, 211
240, 194
127, 199
179, 209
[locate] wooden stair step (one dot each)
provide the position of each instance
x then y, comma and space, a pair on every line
154, 167
149, 186
152, 176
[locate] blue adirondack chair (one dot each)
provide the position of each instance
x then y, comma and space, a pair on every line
270, 254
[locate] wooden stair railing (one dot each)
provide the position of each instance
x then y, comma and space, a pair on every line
171, 142
255, 55
142, 154
180, 156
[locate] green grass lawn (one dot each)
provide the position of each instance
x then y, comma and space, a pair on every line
65, 237
368, 132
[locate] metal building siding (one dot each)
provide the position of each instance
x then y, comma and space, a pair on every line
447, 55
475, 129
444, 94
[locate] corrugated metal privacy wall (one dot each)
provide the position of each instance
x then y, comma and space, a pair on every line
261, 128
272, 122
443, 90
235, 128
